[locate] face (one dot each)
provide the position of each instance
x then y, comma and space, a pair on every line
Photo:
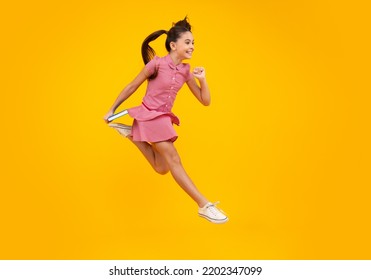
184, 46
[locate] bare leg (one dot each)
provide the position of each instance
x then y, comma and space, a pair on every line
163, 157
172, 159
149, 151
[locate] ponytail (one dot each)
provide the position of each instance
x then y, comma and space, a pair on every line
147, 52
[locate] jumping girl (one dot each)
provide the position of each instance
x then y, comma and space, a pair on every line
152, 130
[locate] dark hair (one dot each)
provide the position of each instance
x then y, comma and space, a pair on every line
173, 35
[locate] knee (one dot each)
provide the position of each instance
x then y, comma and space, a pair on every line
174, 160
162, 170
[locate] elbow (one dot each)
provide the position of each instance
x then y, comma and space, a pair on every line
206, 102
205, 98
130, 88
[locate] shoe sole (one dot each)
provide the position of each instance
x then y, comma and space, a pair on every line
123, 129
119, 125
213, 220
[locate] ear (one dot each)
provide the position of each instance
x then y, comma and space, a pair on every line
173, 46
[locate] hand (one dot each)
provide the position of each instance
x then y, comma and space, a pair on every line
199, 73
110, 113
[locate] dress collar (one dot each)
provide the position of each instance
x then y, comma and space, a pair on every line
171, 63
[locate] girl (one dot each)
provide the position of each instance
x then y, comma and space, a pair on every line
152, 131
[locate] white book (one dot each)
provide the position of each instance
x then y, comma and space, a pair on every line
117, 115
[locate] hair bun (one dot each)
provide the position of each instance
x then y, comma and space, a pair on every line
183, 23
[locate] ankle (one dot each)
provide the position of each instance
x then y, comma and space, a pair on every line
203, 203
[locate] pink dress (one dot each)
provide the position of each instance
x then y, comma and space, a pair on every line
153, 119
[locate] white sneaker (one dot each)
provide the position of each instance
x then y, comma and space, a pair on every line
212, 213
123, 129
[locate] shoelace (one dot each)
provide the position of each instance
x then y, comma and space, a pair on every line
212, 207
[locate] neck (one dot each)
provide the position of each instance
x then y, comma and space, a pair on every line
176, 60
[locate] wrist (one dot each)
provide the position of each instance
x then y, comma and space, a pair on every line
202, 80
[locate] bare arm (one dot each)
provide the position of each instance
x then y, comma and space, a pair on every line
127, 92
201, 92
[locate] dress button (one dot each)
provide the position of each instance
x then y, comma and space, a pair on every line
172, 88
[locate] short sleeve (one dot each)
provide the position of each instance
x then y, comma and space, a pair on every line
152, 65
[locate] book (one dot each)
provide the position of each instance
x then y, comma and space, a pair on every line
117, 115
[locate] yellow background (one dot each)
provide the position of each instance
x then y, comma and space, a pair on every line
285, 145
